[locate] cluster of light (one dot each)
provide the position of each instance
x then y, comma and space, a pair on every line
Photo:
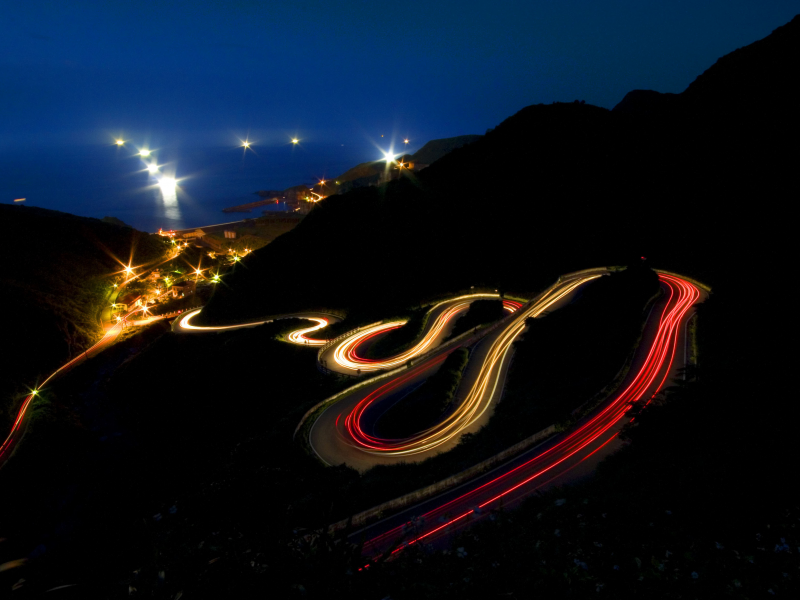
389, 157
153, 168
575, 447
477, 400
144, 152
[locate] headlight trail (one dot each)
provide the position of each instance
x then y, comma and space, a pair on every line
346, 353
299, 337
569, 451
477, 400
296, 337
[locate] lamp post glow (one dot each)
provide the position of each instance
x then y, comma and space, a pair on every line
144, 152
120, 142
153, 168
295, 141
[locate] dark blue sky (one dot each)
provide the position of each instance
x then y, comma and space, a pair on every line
333, 72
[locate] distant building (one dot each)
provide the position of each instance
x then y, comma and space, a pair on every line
181, 290
197, 233
126, 303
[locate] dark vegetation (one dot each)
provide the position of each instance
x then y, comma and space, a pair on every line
209, 497
479, 313
57, 277
423, 407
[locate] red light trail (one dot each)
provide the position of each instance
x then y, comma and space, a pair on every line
601, 428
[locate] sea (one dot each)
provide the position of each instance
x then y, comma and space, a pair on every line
107, 180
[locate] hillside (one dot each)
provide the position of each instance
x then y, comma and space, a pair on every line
369, 173
563, 185
53, 286
436, 149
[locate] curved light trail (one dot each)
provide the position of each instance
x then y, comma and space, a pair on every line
296, 337
346, 354
299, 336
568, 451
477, 400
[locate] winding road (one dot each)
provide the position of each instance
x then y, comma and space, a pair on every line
559, 460
344, 432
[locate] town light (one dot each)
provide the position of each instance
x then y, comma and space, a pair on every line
144, 152
245, 144
153, 168
120, 142
389, 157
295, 140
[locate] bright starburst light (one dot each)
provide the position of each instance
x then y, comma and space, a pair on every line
168, 185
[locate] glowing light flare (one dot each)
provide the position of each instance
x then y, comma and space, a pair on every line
152, 168
295, 141
168, 185
144, 152
120, 142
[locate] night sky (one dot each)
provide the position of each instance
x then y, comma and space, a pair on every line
82, 72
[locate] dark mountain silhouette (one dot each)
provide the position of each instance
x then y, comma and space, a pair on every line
693, 180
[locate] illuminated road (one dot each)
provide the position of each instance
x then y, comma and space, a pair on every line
561, 459
344, 356
184, 325
344, 432
109, 337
